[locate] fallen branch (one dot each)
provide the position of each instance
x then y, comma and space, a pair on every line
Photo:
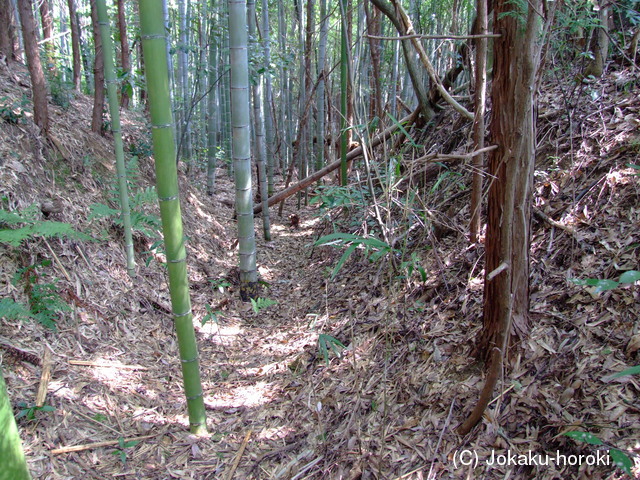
236, 461
20, 353
84, 363
90, 446
353, 154
45, 377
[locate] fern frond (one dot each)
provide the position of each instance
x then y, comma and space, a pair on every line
13, 310
99, 210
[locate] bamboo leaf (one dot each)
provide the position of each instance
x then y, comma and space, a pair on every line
584, 437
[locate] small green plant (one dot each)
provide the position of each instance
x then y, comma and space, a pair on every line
220, 284
45, 305
601, 285
121, 451
411, 265
18, 226
211, 316
29, 411
13, 113
330, 197
61, 90
373, 248
261, 304
326, 342
620, 459
148, 224
156, 248
99, 417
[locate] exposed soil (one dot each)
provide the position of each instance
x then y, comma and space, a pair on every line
388, 406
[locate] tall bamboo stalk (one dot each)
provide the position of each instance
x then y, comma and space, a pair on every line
322, 55
258, 128
212, 106
157, 76
268, 95
344, 58
114, 110
241, 148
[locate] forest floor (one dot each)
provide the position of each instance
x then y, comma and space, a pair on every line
387, 406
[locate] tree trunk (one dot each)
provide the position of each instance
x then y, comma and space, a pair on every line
258, 128
125, 56
511, 165
47, 32
373, 28
75, 44
516, 56
6, 21
152, 31
114, 110
320, 100
285, 107
268, 97
38, 85
213, 106
478, 121
241, 147
98, 74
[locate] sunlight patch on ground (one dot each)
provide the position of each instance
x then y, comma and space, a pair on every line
221, 334
243, 396
115, 374
275, 433
262, 370
64, 391
284, 343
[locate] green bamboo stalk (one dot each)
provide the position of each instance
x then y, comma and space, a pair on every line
344, 58
258, 128
268, 96
212, 106
241, 147
322, 55
157, 76
114, 110
14, 464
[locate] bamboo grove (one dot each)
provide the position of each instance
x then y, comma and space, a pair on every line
277, 95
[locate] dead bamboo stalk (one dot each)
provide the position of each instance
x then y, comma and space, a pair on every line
90, 446
45, 377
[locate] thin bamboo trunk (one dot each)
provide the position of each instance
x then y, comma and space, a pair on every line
212, 107
114, 110
268, 96
322, 54
258, 128
344, 58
